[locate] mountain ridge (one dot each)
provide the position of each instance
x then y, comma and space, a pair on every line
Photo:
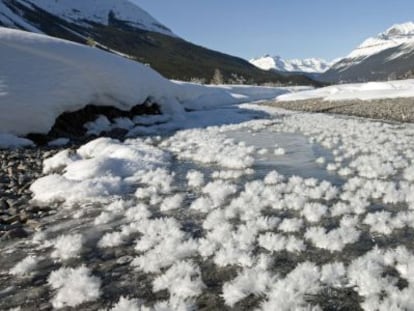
308, 65
91, 11
388, 55
116, 31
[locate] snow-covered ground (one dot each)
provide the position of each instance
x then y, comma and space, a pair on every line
226, 216
361, 91
42, 77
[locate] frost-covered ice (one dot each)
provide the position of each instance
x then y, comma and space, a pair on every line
24, 267
200, 216
97, 170
67, 246
73, 286
182, 280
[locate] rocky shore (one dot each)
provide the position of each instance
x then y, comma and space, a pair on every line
19, 168
399, 109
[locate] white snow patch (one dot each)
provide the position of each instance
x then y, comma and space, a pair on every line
172, 202
26, 266
101, 168
67, 246
74, 286
195, 179
336, 239
182, 280
219, 191
254, 281
361, 91
126, 304
277, 242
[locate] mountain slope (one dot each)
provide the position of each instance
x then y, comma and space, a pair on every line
389, 55
84, 13
120, 26
309, 65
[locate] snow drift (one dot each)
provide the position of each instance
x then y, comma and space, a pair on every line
42, 77
361, 91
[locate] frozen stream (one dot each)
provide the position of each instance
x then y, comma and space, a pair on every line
239, 208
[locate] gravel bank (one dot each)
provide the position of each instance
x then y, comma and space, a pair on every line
400, 109
19, 168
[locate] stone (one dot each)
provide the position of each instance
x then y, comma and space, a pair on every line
15, 233
124, 260
10, 219
24, 216
3, 204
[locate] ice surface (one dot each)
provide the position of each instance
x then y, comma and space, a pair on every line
276, 232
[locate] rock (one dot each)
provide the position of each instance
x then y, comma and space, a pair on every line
47, 154
4, 227
22, 167
15, 233
34, 224
12, 211
24, 216
10, 219
37, 209
124, 260
10, 202
45, 306
3, 204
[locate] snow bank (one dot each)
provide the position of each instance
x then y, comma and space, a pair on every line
361, 91
42, 77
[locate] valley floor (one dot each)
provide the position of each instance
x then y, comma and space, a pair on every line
235, 208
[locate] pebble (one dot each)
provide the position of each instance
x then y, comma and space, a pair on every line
3, 204
15, 233
124, 260
399, 109
19, 168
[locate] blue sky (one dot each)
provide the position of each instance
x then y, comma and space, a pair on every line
289, 28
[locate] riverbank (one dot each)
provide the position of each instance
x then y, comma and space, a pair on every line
397, 109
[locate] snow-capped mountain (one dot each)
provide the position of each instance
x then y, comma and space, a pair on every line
392, 37
309, 65
388, 55
122, 27
82, 12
